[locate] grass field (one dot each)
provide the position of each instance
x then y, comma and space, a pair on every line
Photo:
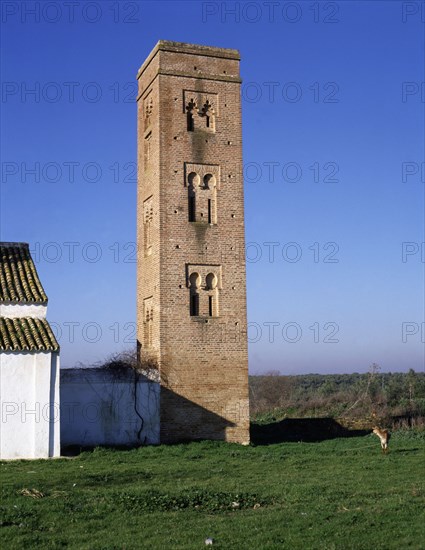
339, 493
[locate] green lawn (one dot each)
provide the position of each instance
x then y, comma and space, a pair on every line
339, 493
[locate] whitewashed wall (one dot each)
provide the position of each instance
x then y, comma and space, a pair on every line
29, 394
106, 407
37, 311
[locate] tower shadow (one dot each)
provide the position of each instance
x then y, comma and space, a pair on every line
182, 420
307, 430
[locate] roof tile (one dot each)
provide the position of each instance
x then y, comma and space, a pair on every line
19, 280
26, 334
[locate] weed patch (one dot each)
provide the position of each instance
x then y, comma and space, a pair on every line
195, 499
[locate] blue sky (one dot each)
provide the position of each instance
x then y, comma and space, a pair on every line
333, 133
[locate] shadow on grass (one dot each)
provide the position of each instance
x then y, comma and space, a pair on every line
76, 450
415, 450
308, 430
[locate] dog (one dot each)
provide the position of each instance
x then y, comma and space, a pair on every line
384, 436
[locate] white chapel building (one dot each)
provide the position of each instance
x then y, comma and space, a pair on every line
29, 361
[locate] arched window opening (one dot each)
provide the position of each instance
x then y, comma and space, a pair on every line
195, 281
147, 150
148, 112
193, 182
149, 327
148, 323
148, 236
190, 122
209, 115
147, 225
193, 179
209, 181
212, 290
209, 198
191, 109
211, 281
194, 305
192, 206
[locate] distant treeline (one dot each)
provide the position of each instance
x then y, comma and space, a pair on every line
371, 395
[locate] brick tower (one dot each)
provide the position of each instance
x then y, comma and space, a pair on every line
191, 288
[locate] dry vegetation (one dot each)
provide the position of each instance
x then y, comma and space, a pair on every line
394, 399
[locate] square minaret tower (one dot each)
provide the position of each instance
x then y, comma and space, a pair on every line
191, 287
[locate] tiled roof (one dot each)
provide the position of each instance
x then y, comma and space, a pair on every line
26, 334
19, 281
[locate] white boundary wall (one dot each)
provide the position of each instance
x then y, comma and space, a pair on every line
108, 407
29, 392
